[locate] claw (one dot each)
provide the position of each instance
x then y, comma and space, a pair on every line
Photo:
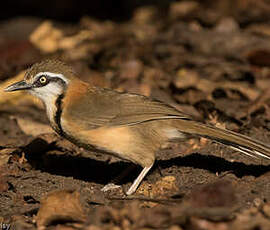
110, 186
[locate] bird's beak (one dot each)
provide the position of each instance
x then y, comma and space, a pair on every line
21, 85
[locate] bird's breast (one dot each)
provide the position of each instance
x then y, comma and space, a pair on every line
51, 110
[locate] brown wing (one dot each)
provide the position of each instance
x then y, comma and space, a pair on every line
105, 107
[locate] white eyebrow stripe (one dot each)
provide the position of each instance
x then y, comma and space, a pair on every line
52, 75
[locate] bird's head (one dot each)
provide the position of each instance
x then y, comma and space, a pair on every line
46, 80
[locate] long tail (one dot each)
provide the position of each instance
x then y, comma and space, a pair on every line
232, 139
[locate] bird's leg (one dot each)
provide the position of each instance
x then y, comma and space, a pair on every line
113, 185
138, 180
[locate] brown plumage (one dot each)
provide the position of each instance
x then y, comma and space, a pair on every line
129, 126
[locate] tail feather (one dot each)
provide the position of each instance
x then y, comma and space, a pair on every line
236, 141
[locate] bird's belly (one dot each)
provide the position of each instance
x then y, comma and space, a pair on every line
116, 141
137, 143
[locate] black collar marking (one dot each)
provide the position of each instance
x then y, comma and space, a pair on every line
57, 117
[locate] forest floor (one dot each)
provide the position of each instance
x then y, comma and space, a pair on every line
206, 63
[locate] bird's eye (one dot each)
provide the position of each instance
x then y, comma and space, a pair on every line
43, 80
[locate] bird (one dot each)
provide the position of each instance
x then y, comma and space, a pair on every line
129, 126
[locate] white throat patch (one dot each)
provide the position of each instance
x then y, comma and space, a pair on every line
49, 93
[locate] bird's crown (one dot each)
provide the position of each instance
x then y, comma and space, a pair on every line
50, 68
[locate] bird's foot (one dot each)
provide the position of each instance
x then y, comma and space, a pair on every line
110, 186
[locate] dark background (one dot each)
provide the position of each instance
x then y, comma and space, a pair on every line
244, 11
73, 10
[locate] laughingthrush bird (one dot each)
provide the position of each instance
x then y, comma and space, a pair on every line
129, 126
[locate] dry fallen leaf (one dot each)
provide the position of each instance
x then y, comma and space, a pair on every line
160, 189
130, 69
93, 227
251, 218
46, 37
145, 15
217, 194
259, 57
5, 155
4, 186
187, 78
180, 9
199, 223
266, 210
72, 41
49, 39
60, 206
